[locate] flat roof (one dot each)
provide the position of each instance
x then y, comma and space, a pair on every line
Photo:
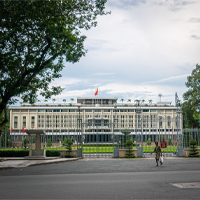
110, 98
113, 107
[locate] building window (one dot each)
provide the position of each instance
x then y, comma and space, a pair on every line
41, 110
15, 121
123, 110
24, 121
32, 122
56, 110
24, 124
15, 124
169, 121
88, 110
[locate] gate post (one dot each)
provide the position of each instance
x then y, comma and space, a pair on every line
140, 152
79, 152
116, 152
180, 151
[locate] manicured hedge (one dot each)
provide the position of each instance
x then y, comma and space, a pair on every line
52, 153
13, 153
69, 156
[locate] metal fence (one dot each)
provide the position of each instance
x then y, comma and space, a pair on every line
95, 143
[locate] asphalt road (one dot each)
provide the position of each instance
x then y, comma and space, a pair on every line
102, 179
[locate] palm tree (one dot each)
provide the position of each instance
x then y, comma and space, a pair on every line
53, 100
72, 99
150, 101
64, 100
137, 102
129, 100
143, 101
122, 101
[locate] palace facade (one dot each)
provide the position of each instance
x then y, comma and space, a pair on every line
97, 119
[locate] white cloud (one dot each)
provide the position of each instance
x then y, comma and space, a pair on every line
141, 49
64, 81
173, 78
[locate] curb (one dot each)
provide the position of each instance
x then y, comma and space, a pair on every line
36, 162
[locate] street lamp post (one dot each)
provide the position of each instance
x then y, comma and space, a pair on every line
159, 128
177, 102
138, 111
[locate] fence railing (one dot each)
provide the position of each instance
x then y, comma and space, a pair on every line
18, 141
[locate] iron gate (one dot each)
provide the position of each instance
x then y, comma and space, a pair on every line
98, 140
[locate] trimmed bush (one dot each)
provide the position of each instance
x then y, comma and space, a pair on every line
52, 153
68, 145
169, 142
129, 152
149, 141
14, 153
69, 156
49, 143
193, 149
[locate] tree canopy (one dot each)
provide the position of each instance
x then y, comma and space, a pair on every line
35, 38
191, 104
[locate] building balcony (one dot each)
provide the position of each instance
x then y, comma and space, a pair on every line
98, 127
98, 118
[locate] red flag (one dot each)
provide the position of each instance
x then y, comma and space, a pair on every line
11, 129
23, 130
96, 92
172, 129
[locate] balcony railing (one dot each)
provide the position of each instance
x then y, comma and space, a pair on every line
98, 127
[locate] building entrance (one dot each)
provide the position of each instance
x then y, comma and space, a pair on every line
98, 140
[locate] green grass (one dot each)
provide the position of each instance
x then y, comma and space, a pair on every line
110, 149
169, 149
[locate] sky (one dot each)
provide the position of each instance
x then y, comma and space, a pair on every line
142, 49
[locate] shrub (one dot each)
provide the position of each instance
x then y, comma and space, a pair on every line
54, 153
49, 143
193, 150
169, 141
26, 141
69, 156
68, 145
129, 152
14, 153
149, 141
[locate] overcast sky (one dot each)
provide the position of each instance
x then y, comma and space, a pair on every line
145, 47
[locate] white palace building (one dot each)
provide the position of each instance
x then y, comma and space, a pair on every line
97, 120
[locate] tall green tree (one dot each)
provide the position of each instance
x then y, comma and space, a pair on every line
122, 101
191, 104
35, 38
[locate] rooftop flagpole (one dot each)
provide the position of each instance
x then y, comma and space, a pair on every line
96, 93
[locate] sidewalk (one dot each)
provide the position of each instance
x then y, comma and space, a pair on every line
16, 162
